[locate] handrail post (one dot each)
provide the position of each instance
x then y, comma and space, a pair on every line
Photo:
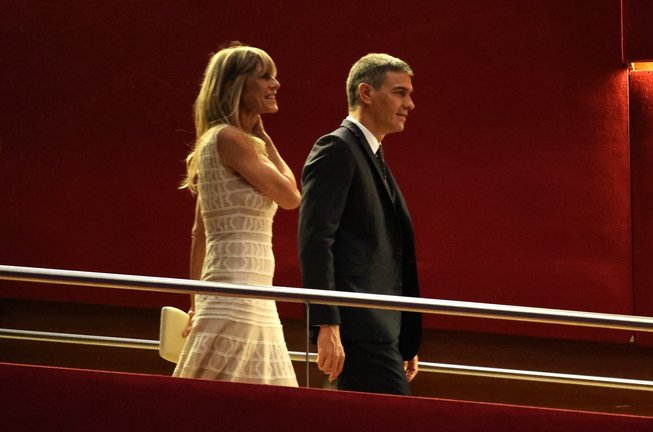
307, 316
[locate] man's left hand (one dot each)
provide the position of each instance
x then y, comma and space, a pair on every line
411, 368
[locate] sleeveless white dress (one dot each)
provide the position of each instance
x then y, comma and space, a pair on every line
235, 339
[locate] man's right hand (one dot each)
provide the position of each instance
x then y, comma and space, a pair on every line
330, 353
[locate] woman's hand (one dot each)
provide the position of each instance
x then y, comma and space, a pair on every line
269, 175
186, 332
259, 131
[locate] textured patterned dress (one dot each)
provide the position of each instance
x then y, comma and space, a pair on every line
235, 339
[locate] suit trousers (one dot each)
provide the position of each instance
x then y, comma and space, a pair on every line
374, 368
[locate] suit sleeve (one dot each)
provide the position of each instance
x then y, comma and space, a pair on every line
326, 179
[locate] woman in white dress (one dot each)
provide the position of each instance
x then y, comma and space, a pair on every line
239, 179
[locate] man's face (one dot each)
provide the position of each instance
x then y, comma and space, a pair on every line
389, 105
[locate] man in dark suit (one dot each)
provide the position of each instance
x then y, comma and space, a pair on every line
355, 234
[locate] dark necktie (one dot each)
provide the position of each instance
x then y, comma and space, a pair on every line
379, 156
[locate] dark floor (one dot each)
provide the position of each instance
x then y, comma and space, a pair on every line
585, 358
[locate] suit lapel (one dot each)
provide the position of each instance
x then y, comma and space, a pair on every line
392, 190
371, 157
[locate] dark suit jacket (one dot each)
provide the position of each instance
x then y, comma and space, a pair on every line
355, 234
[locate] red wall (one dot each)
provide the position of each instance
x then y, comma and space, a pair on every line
515, 163
636, 31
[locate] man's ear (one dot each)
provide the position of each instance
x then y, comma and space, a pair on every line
364, 93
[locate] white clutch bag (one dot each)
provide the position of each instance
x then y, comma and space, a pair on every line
173, 323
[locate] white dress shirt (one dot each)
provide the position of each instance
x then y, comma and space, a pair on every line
371, 139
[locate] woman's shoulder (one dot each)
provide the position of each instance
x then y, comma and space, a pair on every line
222, 138
231, 136
225, 132
233, 145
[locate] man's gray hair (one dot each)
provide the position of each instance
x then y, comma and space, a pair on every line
371, 69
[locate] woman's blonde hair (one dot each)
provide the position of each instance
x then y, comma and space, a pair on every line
218, 101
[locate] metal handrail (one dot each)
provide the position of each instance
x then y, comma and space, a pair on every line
307, 296
450, 369
79, 339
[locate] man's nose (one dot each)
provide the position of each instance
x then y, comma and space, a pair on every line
409, 103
